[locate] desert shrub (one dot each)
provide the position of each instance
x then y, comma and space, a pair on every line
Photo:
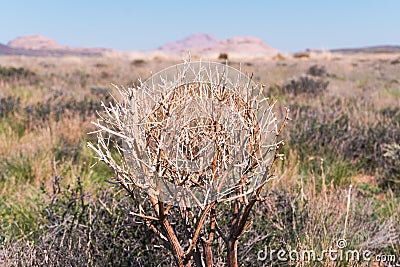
9, 105
13, 76
81, 229
299, 55
317, 71
84, 108
38, 112
78, 228
331, 134
395, 61
15, 73
193, 214
102, 92
138, 62
367, 143
313, 131
391, 170
304, 85
223, 56
100, 65
41, 112
391, 114
64, 150
80, 77
105, 75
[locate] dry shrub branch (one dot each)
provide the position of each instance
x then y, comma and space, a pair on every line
193, 140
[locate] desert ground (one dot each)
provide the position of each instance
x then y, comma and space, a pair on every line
57, 208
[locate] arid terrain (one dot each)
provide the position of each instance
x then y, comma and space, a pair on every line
57, 208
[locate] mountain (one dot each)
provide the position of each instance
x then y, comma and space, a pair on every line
37, 45
35, 42
208, 45
201, 45
245, 46
5, 50
194, 41
369, 49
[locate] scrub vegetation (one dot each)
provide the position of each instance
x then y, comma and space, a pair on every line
339, 177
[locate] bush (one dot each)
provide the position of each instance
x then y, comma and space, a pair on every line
305, 85
330, 133
391, 172
15, 73
317, 71
18, 75
78, 229
223, 56
138, 62
9, 105
41, 112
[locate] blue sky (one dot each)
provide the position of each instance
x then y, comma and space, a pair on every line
140, 25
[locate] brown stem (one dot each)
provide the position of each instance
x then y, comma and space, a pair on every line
208, 249
157, 232
197, 231
176, 248
242, 222
232, 239
232, 252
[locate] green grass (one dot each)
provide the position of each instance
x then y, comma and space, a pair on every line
18, 168
20, 217
10, 125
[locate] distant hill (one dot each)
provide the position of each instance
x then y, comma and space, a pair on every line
201, 45
208, 45
244, 46
35, 42
195, 41
5, 50
37, 45
369, 49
